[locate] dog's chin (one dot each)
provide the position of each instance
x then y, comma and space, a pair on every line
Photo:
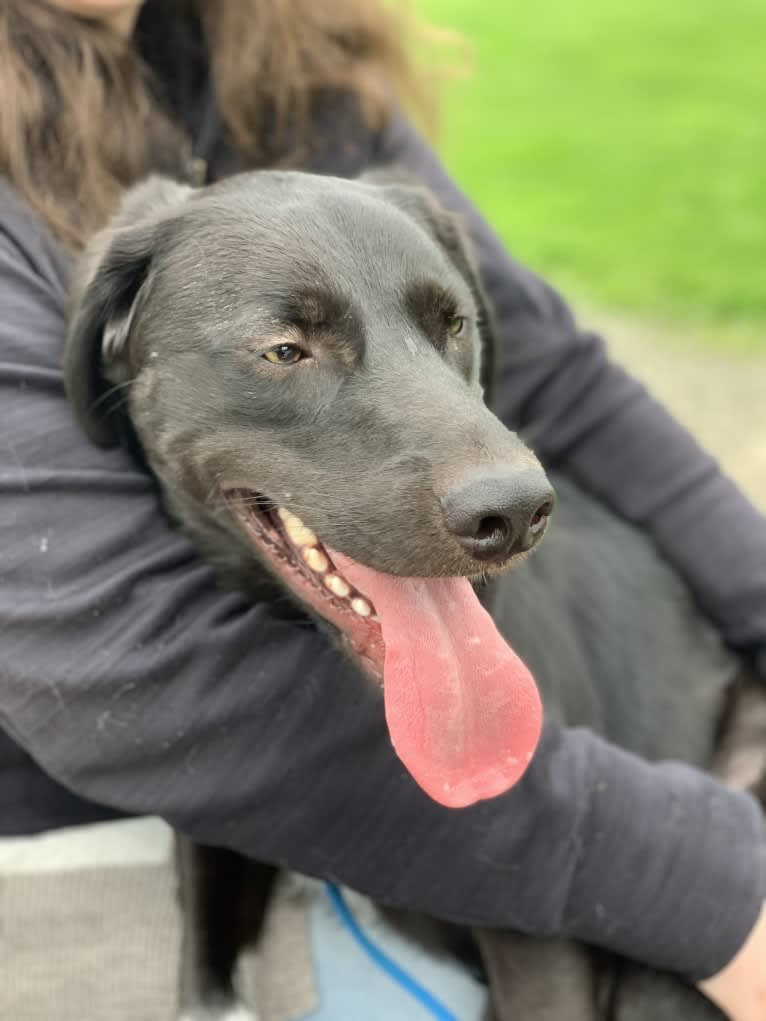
307, 569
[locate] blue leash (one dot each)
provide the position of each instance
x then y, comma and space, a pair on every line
383, 961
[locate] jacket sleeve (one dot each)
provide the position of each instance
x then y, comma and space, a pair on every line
137, 683
583, 413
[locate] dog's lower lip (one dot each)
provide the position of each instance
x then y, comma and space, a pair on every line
301, 562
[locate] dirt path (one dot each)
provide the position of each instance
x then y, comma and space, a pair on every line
720, 397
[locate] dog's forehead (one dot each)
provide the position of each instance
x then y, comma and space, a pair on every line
273, 228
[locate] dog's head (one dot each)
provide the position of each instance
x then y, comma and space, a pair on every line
302, 361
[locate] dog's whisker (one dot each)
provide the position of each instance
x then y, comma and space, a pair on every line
104, 397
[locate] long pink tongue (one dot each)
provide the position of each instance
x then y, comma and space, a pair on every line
463, 711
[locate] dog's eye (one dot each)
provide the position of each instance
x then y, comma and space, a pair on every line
455, 325
284, 354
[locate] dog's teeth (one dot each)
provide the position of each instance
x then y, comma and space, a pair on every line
361, 606
337, 585
316, 559
301, 535
289, 520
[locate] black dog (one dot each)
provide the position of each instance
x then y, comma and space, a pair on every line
302, 363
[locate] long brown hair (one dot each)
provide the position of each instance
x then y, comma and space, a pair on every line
81, 117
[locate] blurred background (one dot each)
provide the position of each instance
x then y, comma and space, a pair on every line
620, 150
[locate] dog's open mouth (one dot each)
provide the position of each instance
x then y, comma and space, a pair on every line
306, 567
463, 711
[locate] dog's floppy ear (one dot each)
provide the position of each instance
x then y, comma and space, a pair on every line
109, 282
403, 190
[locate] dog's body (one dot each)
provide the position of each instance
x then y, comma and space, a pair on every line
199, 308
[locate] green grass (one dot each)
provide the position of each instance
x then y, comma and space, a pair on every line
620, 148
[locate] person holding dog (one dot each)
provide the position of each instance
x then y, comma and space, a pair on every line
98, 93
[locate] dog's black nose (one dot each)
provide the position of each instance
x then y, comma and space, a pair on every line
496, 515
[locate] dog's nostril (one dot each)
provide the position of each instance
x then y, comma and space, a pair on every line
491, 527
540, 517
